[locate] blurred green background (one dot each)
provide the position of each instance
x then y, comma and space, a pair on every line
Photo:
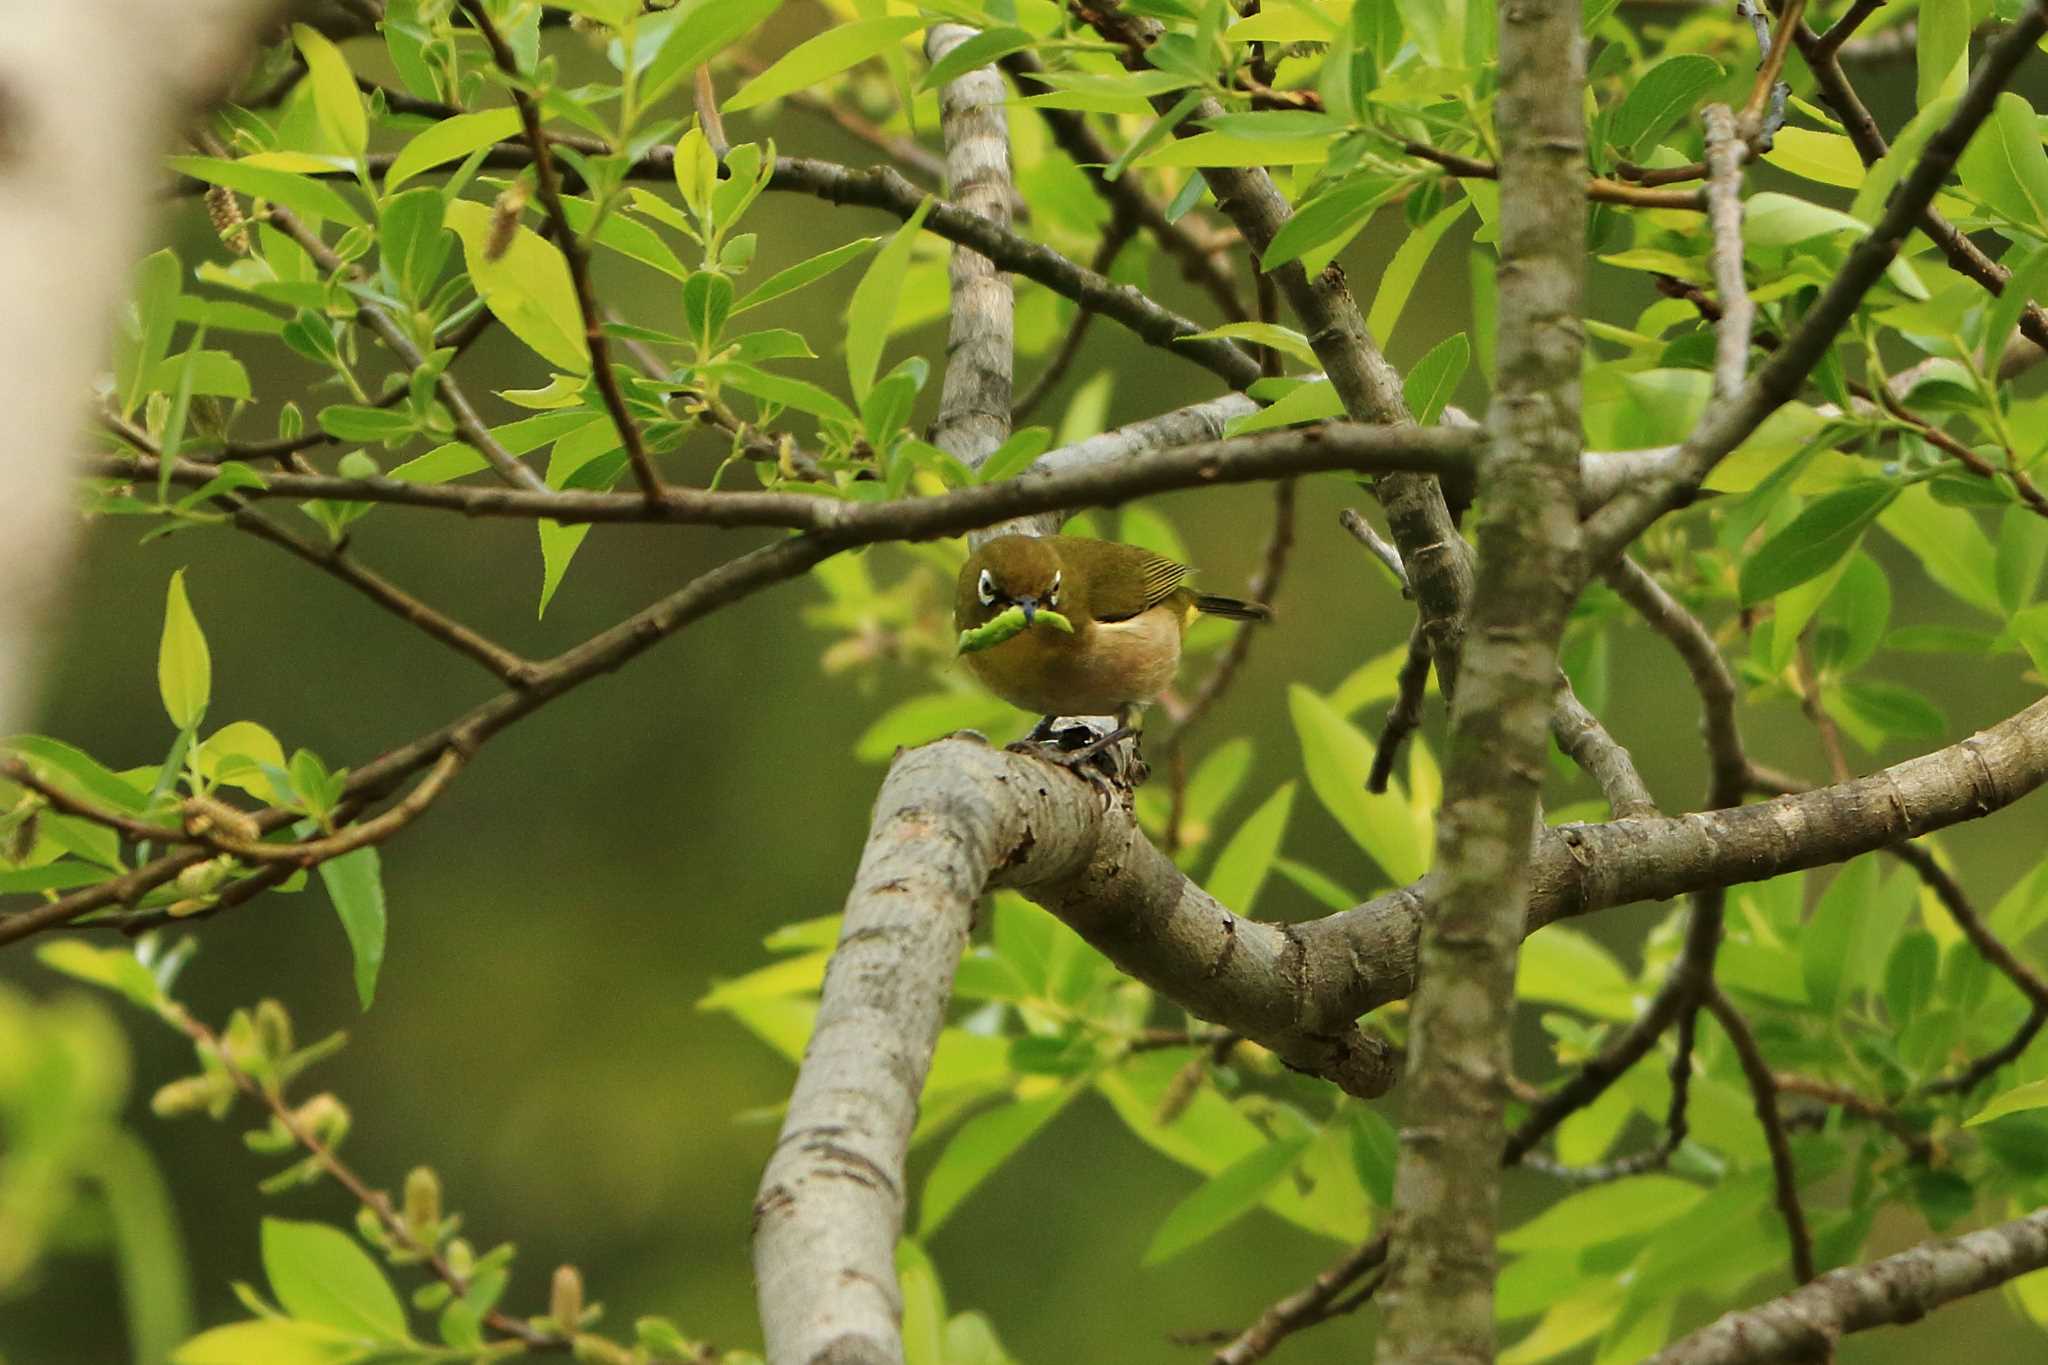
557, 915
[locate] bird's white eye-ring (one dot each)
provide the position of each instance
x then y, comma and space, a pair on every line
987, 589
1052, 599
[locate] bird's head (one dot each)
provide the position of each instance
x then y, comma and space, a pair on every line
1010, 571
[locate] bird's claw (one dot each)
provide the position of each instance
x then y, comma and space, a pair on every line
1090, 755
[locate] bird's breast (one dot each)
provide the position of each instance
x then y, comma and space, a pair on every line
1099, 669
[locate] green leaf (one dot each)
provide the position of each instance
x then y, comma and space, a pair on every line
450, 139
573, 460
201, 372
1660, 97
1837, 922
528, 288
802, 273
117, 969
237, 754
335, 97
922, 719
1943, 56
981, 1145
1314, 401
158, 283
1284, 339
184, 669
301, 194
362, 426
1604, 1213
924, 1306
874, 301
57, 760
1338, 758
788, 392
1202, 150
1949, 544
1398, 281
268, 1341
156, 1291
455, 459
412, 241
1015, 455
1817, 539
1331, 217
355, 883
2032, 1095
1430, 384
829, 53
319, 1274
1566, 967
1223, 1199
1242, 866
706, 28
1828, 158
1772, 220
980, 50
2005, 166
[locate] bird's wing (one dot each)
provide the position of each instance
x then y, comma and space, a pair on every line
1141, 581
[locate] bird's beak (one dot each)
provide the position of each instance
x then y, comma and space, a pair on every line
1029, 606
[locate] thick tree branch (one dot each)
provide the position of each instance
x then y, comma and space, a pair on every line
1806, 1324
1439, 1292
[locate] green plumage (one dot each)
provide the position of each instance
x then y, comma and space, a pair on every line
1128, 606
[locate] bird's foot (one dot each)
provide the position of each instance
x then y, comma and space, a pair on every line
1089, 754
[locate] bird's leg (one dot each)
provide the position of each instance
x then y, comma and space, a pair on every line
1085, 758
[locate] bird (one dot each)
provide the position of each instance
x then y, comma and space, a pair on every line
1128, 609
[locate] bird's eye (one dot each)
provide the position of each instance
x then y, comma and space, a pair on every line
987, 589
1052, 599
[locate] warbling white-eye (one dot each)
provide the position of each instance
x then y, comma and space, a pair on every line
1128, 610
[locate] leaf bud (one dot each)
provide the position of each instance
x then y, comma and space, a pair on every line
189, 1095
505, 213
274, 1029
423, 1204
595, 1350
565, 1298
226, 213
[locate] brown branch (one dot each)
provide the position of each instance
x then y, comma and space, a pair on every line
360, 834
1963, 255
1918, 1146
1806, 1323
1753, 122
388, 1217
1764, 1090
467, 424
1320, 1300
1598, 754
1240, 459
1609, 530
573, 250
1711, 677
1725, 152
1598, 189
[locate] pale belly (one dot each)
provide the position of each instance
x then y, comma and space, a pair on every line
1096, 672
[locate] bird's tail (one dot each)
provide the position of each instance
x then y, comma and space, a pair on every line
1234, 608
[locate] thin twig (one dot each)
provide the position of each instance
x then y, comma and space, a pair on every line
1764, 1090
573, 250
1313, 1303
376, 1201
1404, 717
1725, 152
1918, 1146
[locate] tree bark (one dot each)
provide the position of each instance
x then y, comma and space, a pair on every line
89, 91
